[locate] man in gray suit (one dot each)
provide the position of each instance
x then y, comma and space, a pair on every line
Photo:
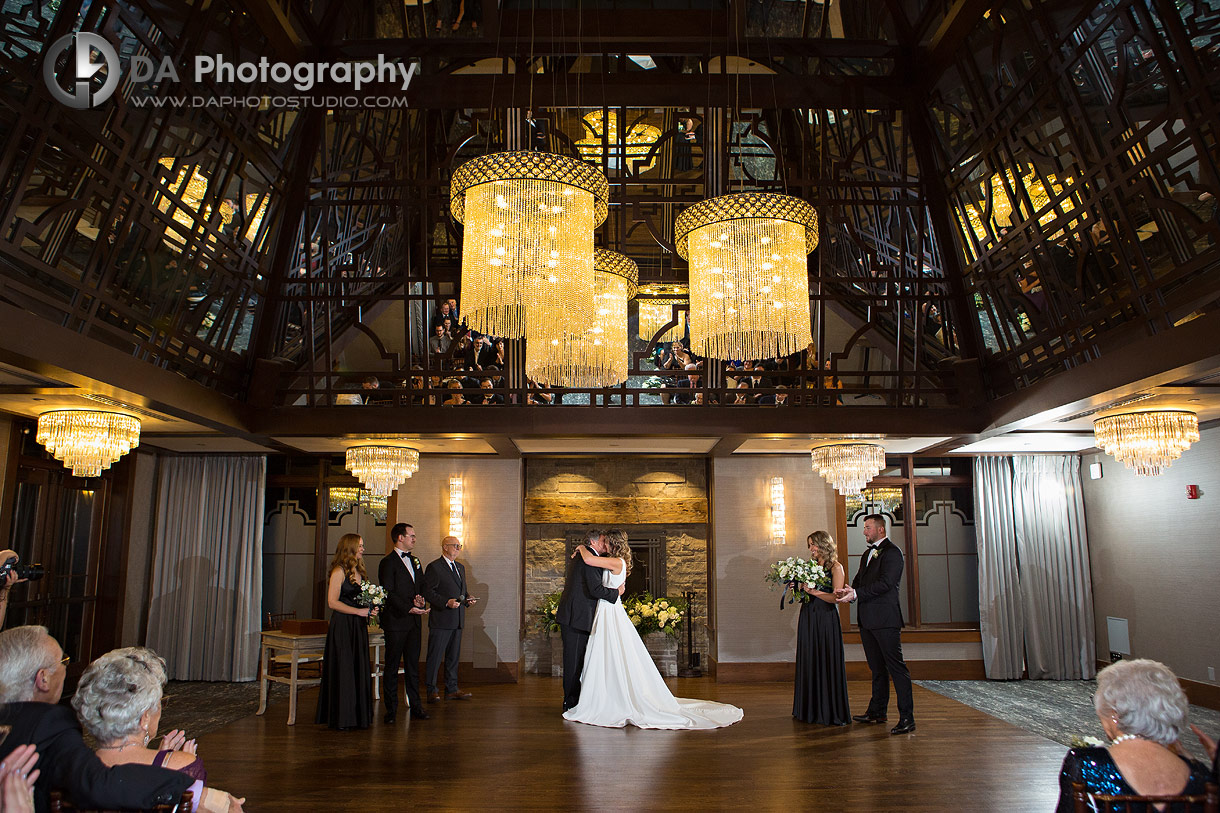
445, 589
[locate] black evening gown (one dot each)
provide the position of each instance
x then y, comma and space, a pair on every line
821, 676
1095, 769
345, 698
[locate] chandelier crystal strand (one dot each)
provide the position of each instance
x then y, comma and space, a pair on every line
848, 466
88, 441
599, 357
381, 469
527, 249
749, 277
1147, 442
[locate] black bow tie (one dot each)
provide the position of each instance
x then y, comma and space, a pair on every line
874, 547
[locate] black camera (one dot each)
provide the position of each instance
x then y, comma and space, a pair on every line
30, 572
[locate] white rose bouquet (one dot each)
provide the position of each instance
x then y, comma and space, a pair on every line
788, 573
372, 596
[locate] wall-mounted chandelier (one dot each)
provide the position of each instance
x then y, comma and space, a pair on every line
848, 466
381, 469
343, 498
86, 440
639, 139
749, 277
656, 311
527, 250
1147, 442
599, 357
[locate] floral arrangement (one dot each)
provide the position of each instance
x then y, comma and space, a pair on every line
650, 614
547, 612
372, 596
786, 573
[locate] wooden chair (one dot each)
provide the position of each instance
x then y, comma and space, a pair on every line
1085, 802
282, 664
58, 805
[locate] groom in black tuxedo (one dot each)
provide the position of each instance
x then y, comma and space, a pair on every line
880, 621
401, 574
582, 587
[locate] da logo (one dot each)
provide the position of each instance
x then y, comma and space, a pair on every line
80, 65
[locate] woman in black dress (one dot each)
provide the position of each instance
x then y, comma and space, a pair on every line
821, 676
345, 698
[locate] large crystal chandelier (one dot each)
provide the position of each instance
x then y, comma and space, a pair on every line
527, 250
381, 469
1147, 442
598, 357
848, 466
656, 311
87, 440
749, 279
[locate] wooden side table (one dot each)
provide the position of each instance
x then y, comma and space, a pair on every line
295, 647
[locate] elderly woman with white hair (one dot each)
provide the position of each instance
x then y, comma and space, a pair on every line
1143, 711
118, 701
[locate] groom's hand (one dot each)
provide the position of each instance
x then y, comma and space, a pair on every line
622, 588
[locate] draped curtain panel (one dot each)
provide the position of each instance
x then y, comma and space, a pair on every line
1053, 552
1035, 588
1001, 615
204, 615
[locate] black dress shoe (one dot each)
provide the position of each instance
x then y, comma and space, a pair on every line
904, 726
390, 716
420, 714
868, 718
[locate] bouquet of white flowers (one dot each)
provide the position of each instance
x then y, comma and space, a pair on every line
790, 572
372, 596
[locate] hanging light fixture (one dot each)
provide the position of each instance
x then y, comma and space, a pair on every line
848, 466
192, 192
527, 250
381, 469
639, 138
1147, 442
749, 278
86, 440
656, 311
999, 187
343, 498
598, 357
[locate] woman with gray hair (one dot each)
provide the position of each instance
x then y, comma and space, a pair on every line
118, 701
1143, 711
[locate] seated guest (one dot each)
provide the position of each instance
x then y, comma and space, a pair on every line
32, 671
17, 778
488, 397
455, 393
536, 395
118, 701
777, 399
439, 341
1142, 709
743, 393
444, 312
682, 390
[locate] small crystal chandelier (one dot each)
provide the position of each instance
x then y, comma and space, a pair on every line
657, 311
381, 469
598, 358
1147, 442
87, 440
527, 249
343, 498
999, 187
639, 140
192, 192
749, 277
848, 466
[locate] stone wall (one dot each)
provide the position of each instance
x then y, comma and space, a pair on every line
643, 496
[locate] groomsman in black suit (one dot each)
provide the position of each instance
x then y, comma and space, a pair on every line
880, 621
582, 587
445, 589
401, 574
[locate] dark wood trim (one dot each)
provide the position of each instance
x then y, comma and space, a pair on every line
8, 489
785, 671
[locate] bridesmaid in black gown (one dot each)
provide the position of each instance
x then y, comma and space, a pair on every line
821, 676
345, 698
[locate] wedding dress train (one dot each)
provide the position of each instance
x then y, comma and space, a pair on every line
621, 685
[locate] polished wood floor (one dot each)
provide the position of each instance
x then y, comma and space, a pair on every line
509, 749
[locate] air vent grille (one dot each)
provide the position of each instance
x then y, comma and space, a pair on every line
147, 413
1135, 399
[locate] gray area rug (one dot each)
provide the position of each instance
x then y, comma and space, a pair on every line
198, 707
1056, 709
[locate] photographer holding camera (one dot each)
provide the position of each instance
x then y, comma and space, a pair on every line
9, 575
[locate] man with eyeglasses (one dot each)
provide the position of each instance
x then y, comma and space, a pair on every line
32, 671
445, 589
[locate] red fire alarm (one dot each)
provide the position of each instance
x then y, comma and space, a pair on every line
1192, 492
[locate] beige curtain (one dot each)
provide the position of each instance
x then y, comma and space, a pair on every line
1001, 617
207, 566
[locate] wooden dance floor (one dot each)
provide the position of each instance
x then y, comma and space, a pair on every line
509, 749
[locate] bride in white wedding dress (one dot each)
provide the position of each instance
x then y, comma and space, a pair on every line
620, 684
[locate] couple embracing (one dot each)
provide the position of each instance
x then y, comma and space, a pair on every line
608, 677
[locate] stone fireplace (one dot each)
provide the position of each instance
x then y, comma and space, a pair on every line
660, 502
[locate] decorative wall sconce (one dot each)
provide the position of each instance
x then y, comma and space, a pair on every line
778, 512
456, 526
